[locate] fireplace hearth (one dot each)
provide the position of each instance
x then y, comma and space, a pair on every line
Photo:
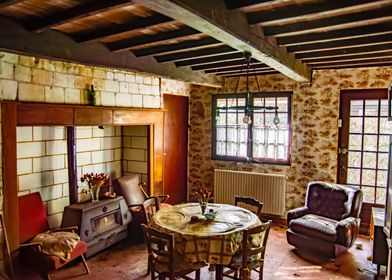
100, 224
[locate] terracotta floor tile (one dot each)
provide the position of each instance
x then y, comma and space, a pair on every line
127, 261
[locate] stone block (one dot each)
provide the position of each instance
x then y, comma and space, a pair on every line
145, 89
25, 166
118, 154
155, 90
24, 134
60, 176
65, 189
134, 154
108, 98
48, 133
57, 205
133, 88
60, 79
56, 147
109, 75
83, 158
102, 156
110, 142
123, 87
55, 220
49, 163
35, 180
31, 92
22, 73
135, 130
155, 81
86, 145
139, 142
9, 89
119, 76
107, 131
137, 167
99, 73
137, 100
114, 167
117, 129
149, 101
99, 84
59, 66
147, 80
86, 71
48, 65
9, 57
26, 61
54, 95
99, 168
30, 149
72, 96
130, 78
82, 82
139, 79
72, 68
51, 192
84, 132
123, 100
71, 80
126, 142
111, 86
6, 70
42, 77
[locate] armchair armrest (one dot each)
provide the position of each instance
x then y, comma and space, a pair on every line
347, 231
162, 197
296, 213
36, 245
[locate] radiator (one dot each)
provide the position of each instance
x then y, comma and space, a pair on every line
267, 188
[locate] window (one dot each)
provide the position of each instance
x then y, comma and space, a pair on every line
261, 141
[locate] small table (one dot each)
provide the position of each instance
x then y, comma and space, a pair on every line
214, 241
380, 246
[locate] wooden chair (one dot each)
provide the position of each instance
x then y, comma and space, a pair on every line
249, 257
150, 207
251, 202
33, 221
162, 258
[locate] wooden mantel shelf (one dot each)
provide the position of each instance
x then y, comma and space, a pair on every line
15, 114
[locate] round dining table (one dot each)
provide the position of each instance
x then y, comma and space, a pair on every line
198, 239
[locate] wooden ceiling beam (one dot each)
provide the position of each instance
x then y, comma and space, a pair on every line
354, 64
346, 43
187, 45
80, 11
162, 37
242, 68
134, 24
216, 65
265, 72
7, 3
225, 72
230, 27
57, 46
207, 52
357, 59
249, 4
338, 22
295, 11
353, 50
328, 36
310, 61
206, 60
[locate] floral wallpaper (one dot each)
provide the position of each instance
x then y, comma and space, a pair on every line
315, 112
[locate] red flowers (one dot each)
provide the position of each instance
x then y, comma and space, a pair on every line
203, 195
94, 180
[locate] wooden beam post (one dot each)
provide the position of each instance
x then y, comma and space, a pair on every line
72, 165
231, 28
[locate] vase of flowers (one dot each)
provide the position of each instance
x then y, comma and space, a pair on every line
204, 196
94, 183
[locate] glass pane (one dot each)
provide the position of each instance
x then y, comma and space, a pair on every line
382, 178
258, 101
282, 104
355, 125
269, 119
353, 176
384, 108
354, 159
281, 152
385, 126
258, 119
355, 142
371, 107
368, 194
282, 119
380, 196
370, 143
369, 160
356, 108
371, 125
221, 102
241, 102
368, 177
382, 161
221, 148
270, 101
383, 143
231, 118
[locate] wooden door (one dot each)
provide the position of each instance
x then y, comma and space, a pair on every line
175, 171
363, 146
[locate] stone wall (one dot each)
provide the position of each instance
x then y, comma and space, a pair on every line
315, 110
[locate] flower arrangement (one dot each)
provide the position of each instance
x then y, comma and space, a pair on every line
203, 195
94, 180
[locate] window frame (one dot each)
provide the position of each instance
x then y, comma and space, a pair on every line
249, 158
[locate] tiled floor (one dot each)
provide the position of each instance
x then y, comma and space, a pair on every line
125, 261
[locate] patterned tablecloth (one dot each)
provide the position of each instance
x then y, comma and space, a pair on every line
214, 241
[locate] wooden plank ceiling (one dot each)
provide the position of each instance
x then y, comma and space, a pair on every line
322, 34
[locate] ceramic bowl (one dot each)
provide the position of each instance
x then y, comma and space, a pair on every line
211, 215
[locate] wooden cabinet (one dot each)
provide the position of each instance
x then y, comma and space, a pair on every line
380, 246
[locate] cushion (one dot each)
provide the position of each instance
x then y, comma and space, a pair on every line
130, 189
315, 226
59, 243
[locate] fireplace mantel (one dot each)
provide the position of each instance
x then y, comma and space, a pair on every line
38, 114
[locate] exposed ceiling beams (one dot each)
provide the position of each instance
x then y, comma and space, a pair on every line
230, 27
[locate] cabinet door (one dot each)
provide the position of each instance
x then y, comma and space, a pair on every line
175, 147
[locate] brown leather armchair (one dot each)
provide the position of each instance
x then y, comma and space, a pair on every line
329, 221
